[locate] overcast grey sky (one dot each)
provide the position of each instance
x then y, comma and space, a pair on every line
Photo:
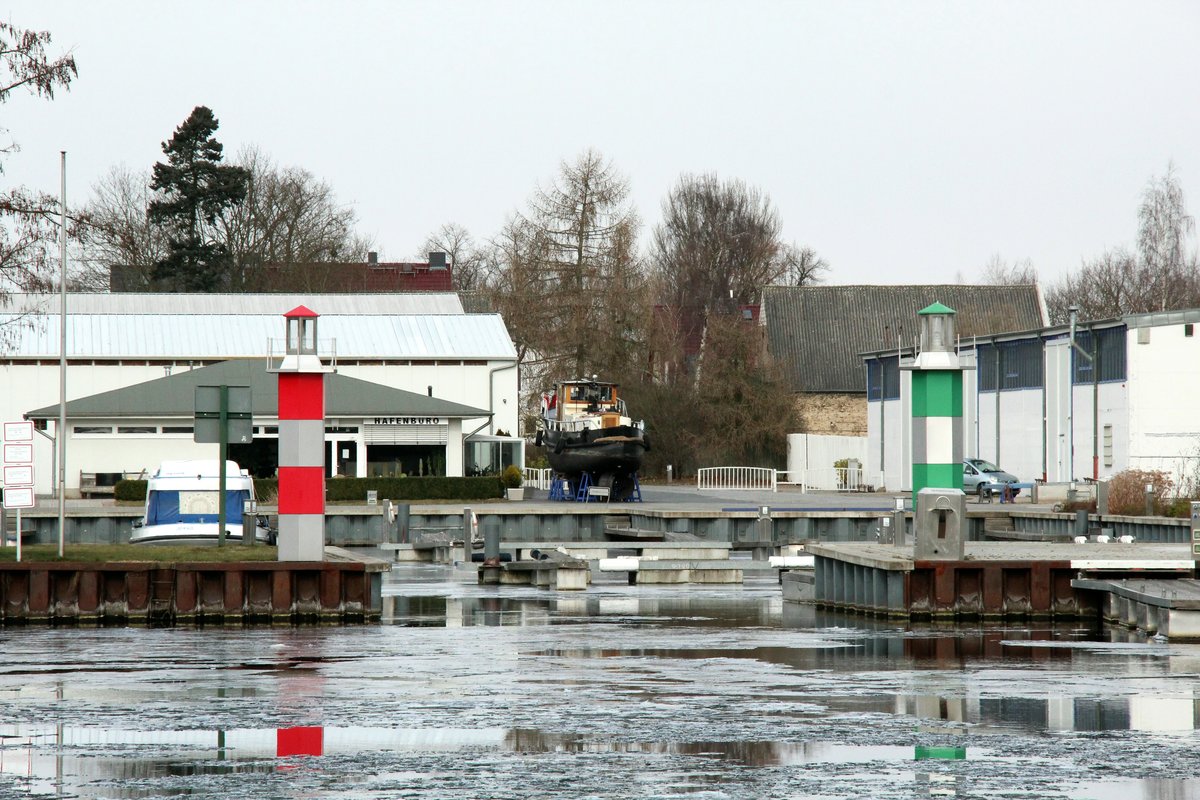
905, 142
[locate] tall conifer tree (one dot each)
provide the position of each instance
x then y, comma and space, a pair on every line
194, 190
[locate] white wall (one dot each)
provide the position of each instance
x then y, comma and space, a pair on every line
31, 386
1020, 431
1164, 398
812, 456
1113, 402
895, 428
1057, 378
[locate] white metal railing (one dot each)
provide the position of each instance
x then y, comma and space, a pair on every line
833, 479
743, 478
537, 478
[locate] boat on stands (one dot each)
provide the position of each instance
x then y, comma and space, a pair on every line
586, 429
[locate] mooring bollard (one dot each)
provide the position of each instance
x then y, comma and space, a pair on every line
940, 524
249, 522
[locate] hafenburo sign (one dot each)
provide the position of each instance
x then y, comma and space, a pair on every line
408, 421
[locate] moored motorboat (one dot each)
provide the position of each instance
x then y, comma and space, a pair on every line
182, 505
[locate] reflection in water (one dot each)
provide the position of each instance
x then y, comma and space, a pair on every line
619, 691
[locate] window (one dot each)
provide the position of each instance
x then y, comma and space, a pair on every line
874, 383
137, 429
341, 429
883, 378
188, 429
1010, 365
1107, 346
1187, 329
90, 429
1108, 444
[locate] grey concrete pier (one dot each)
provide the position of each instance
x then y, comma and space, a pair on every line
993, 580
1167, 608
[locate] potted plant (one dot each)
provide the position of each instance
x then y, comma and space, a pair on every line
512, 477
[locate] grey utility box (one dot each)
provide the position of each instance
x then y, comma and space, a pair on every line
940, 524
1196, 529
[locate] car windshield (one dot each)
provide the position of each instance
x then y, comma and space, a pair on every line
984, 466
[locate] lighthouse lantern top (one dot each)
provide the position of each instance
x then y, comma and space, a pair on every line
939, 338
301, 350
301, 331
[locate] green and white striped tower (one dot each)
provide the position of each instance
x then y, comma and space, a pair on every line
937, 404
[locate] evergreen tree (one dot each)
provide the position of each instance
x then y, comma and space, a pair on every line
195, 190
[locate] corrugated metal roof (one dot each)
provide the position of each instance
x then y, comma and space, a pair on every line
174, 396
198, 336
176, 303
817, 332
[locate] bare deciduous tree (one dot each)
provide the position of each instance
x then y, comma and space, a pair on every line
577, 271
1162, 274
119, 235
28, 227
718, 244
289, 218
467, 260
999, 272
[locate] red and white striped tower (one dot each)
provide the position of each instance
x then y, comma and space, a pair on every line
301, 441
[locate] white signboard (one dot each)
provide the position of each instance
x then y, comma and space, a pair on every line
18, 497
18, 453
18, 475
18, 431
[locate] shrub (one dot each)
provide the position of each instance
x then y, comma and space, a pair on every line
1127, 491
130, 491
512, 477
266, 490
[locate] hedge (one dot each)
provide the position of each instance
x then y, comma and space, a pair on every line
130, 490
355, 489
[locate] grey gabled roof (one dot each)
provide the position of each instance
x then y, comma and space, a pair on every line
817, 333
174, 396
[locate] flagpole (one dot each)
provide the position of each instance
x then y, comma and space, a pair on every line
61, 438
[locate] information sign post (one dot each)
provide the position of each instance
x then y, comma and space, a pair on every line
18, 471
223, 414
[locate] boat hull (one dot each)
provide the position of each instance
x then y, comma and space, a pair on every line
611, 456
194, 534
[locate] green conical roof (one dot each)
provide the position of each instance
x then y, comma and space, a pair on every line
936, 308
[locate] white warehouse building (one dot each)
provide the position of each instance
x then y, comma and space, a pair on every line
422, 388
1124, 398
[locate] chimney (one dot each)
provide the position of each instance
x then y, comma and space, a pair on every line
437, 260
373, 258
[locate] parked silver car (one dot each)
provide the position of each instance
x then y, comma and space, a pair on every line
983, 478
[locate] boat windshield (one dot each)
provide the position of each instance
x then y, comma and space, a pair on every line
167, 507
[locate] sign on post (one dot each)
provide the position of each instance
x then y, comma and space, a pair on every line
223, 415
18, 475
18, 471
18, 431
18, 497
238, 415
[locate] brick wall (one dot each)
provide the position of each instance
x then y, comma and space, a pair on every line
839, 414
